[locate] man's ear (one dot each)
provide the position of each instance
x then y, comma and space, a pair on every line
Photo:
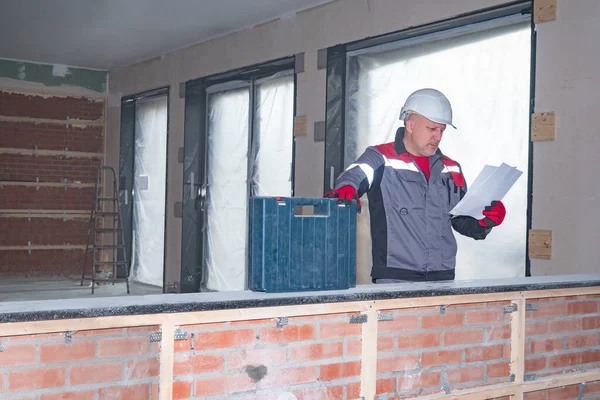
409, 125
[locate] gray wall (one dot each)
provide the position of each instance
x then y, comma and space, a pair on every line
566, 76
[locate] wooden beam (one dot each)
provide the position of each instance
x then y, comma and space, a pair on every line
300, 125
167, 348
540, 244
543, 126
544, 10
369, 340
79, 123
517, 348
44, 247
48, 184
53, 92
53, 214
57, 153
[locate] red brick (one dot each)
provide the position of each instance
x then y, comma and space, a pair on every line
567, 325
34, 379
407, 383
81, 395
182, 390
331, 372
418, 340
54, 231
95, 373
225, 339
353, 390
564, 360
444, 357
462, 375
549, 310
466, 336
129, 392
331, 392
385, 343
49, 198
57, 107
567, 392
287, 334
12, 356
123, 346
496, 333
198, 364
266, 356
535, 364
498, 370
483, 316
483, 353
286, 377
334, 330
581, 341
220, 385
536, 328
400, 323
384, 386
546, 345
29, 168
27, 135
318, 351
590, 356
397, 363
582, 307
60, 352
144, 368
539, 395
590, 323
441, 321
354, 347
41, 262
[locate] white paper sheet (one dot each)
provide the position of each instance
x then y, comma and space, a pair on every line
491, 184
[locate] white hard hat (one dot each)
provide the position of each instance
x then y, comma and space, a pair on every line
430, 103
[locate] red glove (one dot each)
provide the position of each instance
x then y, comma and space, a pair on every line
494, 214
346, 194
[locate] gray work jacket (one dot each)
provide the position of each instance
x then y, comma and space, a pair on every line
411, 228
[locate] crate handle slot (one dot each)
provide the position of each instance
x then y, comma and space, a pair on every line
310, 210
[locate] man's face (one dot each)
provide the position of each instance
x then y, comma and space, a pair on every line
422, 136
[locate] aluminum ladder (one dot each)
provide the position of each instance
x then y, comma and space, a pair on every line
108, 252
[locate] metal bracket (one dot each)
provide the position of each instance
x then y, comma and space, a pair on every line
180, 334
581, 390
513, 377
358, 319
155, 337
443, 310
529, 377
531, 307
445, 382
280, 322
387, 316
510, 308
69, 337
1, 348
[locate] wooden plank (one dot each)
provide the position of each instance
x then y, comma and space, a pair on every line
167, 349
544, 10
540, 244
517, 348
369, 356
543, 126
52, 92
44, 247
80, 123
416, 302
57, 153
47, 184
300, 125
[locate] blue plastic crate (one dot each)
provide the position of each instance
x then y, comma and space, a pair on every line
291, 250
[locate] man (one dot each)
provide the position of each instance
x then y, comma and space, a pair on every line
411, 186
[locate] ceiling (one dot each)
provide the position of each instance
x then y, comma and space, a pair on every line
103, 34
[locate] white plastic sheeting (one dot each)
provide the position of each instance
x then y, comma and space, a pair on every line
149, 191
233, 171
273, 144
486, 76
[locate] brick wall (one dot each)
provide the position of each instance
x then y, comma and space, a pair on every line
116, 364
420, 351
57, 141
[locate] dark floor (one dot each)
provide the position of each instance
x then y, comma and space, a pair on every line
23, 289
